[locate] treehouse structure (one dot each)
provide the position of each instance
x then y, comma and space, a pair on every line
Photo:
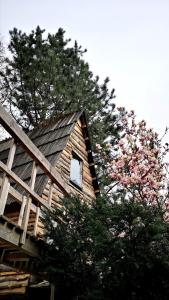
36, 171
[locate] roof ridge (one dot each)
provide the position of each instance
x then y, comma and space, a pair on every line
54, 119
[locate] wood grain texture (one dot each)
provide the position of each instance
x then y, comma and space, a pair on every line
75, 144
13, 283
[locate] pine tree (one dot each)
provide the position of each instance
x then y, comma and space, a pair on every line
45, 77
1, 54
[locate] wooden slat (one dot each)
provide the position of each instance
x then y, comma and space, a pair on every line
36, 220
28, 205
13, 283
11, 154
16, 290
5, 182
17, 196
11, 126
4, 193
25, 220
33, 176
23, 185
21, 214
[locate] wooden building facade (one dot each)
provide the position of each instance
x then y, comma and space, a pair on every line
36, 171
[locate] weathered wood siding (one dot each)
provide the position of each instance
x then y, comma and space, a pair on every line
77, 145
13, 282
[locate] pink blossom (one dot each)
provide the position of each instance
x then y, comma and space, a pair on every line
113, 175
125, 181
138, 164
122, 234
120, 164
98, 146
121, 143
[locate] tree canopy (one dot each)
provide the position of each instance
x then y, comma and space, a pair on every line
46, 76
108, 250
1, 53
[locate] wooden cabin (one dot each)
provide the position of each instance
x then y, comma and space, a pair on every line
36, 171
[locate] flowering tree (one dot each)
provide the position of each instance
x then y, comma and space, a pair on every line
137, 164
115, 249
111, 249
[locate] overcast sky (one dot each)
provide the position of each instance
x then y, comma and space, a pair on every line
127, 40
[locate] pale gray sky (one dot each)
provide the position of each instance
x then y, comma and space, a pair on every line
127, 40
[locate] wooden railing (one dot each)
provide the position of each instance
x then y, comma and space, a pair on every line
29, 201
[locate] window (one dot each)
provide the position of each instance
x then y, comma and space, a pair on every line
76, 170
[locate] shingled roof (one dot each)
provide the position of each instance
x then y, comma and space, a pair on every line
51, 138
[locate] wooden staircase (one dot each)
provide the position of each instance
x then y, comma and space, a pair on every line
18, 244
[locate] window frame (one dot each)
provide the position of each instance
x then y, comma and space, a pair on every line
77, 157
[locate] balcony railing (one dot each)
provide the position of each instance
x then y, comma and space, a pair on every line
29, 201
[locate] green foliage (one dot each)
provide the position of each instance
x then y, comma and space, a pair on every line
67, 258
46, 77
108, 250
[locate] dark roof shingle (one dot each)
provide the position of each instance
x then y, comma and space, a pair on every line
51, 138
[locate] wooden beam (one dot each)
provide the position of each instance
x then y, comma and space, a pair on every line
11, 235
17, 256
17, 133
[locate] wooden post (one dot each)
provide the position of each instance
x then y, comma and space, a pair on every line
26, 220
11, 154
36, 220
21, 214
5, 181
52, 292
28, 204
33, 175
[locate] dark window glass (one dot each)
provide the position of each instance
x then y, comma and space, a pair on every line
76, 171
